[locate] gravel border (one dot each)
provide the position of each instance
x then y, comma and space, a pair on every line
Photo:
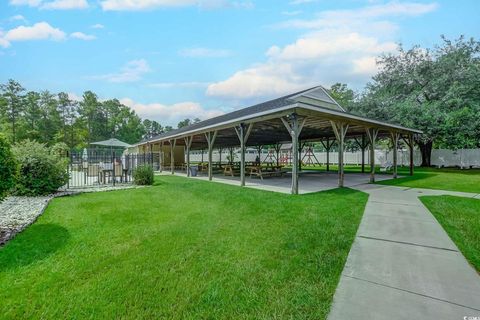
17, 213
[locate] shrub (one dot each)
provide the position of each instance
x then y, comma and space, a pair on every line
40, 171
8, 168
143, 175
60, 150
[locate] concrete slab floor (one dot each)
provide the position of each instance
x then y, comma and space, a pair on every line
309, 181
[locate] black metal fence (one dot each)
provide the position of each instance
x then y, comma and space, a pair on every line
97, 168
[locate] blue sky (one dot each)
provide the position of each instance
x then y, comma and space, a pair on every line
171, 59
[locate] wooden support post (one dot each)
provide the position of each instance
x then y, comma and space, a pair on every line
220, 150
277, 148
243, 131
231, 155
363, 153
259, 152
340, 130
409, 142
300, 150
188, 145
210, 136
328, 154
294, 127
150, 156
363, 145
395, 137
161, 157
327, 147
372, 136
173, 142
410, 138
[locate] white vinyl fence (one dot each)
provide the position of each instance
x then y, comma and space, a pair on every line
464, 158
382, 157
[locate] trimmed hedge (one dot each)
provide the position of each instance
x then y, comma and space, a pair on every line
143, 175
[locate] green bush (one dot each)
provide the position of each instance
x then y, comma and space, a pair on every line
40, 172
60, 150
143, 175
8, 168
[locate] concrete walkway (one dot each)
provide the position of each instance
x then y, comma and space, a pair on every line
403, 265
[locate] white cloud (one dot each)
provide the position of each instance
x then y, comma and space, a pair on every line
171, 114
131, 72
204, 53
4, 43
291, 13
97, 26
31, 3
339, 46
263, 80
75, 97
302, 1
82, 36
65, 4
166, 114
18, 17
137, 5
191, 84
366, 65
358, 17
39, 31
52, 4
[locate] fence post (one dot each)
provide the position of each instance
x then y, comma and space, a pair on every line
113, 167
69, 156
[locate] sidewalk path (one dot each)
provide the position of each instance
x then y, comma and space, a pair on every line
403, 265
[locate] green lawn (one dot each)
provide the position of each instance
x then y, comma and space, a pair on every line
183, 249
430, 178
442, 179
460, 217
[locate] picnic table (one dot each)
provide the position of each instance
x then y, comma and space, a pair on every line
254, 170
231, 170
217, 167
269, 170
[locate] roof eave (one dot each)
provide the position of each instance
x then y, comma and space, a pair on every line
357, 118
229, 123
270, 114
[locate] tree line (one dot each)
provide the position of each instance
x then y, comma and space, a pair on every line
435, 90
50, 118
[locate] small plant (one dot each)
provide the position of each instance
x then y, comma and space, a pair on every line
40, 172
143, 175
8, 168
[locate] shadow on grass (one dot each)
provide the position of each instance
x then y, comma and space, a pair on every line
35, 243
345, 191
401, 180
